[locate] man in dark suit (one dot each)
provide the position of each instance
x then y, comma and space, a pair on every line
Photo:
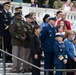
1, 23
5, 32
47, 39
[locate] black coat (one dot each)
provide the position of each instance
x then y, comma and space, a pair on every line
46, 6
6, 20
35, 44
1, 23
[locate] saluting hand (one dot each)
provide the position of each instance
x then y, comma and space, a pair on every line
36, 56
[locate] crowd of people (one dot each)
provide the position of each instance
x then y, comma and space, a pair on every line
58, 4
27, 40
67, 5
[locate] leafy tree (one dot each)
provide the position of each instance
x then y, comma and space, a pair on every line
42, 1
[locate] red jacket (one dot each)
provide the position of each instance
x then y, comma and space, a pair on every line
67, 23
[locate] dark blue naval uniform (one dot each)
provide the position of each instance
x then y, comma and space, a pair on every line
70, 51
6, 34
1, 23
60, 54
47, 39
7, 21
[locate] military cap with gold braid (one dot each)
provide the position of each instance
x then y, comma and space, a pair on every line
18, 14
6, 4
28, 16
18, 8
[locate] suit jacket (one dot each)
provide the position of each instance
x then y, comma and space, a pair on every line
35, 44
47, 37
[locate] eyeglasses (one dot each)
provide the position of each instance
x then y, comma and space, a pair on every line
71, 34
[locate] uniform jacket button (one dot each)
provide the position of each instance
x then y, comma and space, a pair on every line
48, 43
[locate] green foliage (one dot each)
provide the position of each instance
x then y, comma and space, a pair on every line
42, 1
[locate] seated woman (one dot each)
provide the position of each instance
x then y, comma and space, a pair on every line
67, 6
34, 3
74, 6
46, 4
57, 4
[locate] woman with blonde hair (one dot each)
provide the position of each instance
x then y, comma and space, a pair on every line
70, 51
67, 5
